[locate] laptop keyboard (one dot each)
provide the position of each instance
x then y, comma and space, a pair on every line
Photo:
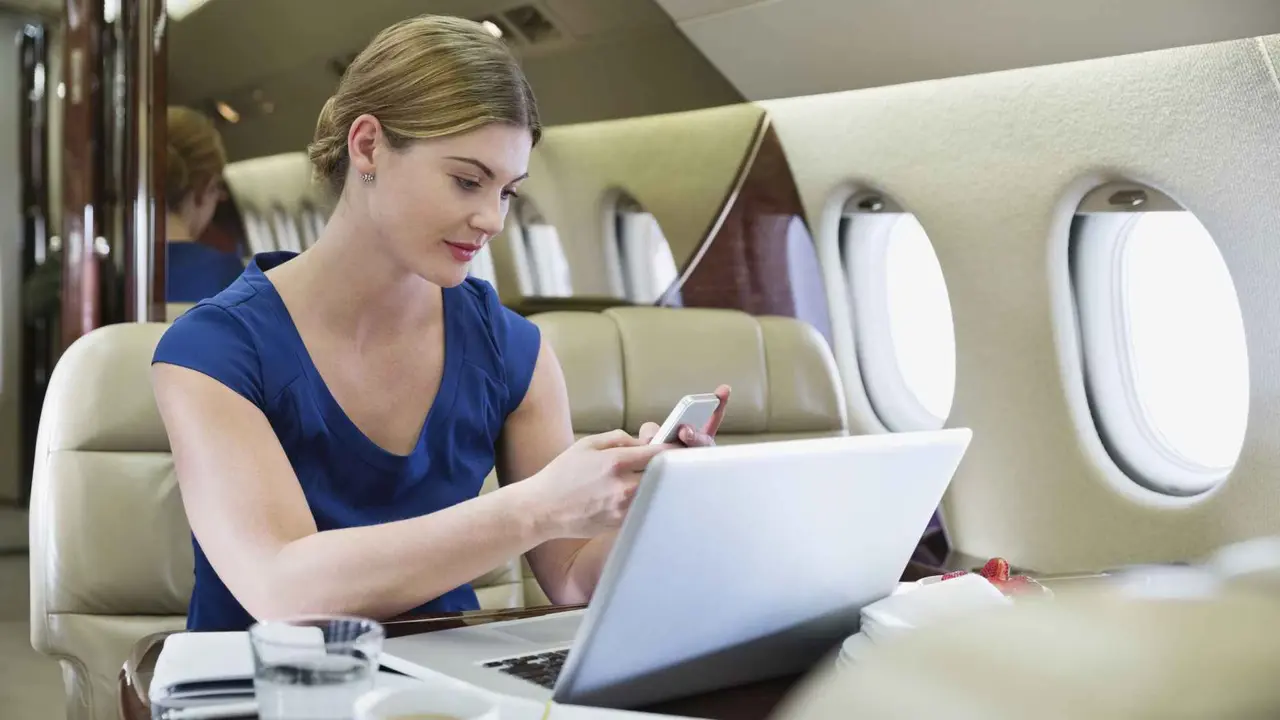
542, 668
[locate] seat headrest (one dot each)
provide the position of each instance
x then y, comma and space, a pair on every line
629, 365
106, 403
264, 184
282, 207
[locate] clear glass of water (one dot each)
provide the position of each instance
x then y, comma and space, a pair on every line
314, 668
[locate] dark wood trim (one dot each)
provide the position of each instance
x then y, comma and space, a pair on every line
38, 323
145, 44
158, 85
82, 168
726, 205
132, 173
746, 261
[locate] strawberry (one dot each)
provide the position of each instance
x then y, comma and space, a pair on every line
996, 570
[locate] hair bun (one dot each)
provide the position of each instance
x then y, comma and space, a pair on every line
326, 149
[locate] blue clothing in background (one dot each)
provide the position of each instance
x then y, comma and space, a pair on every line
195, 272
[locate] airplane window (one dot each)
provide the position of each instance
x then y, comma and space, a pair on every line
482, 267
546, 255
903, 327
1161, 327
649, 268
542, 268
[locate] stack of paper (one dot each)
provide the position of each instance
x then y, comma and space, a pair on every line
926, 603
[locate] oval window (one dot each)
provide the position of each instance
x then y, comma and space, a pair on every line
648, 267
1164, 342
904, 331
541, 262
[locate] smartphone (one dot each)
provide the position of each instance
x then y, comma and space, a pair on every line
692, 410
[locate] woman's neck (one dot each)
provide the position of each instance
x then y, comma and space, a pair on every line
176, 229
356, 288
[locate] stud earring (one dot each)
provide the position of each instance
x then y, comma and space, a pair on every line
367, 177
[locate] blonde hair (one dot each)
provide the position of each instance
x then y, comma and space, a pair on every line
426, 77
195, 155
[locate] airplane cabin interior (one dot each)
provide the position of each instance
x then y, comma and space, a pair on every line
1052, 224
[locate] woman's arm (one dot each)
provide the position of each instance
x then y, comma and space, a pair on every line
247, 510
537, 431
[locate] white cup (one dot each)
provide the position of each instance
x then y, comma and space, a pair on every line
433, 703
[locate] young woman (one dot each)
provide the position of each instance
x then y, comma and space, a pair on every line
333, 414
193, 176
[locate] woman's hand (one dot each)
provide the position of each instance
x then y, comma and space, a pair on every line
694, 437
587, 489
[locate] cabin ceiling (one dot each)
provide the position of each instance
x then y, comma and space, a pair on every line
273, 61
783, 48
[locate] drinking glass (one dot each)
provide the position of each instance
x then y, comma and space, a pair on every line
315, 667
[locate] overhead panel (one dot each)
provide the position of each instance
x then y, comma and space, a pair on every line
585, 18
681, 10
784, 48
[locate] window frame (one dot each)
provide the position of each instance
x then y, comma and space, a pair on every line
530, 274
642, 277
1101, 229
865, 230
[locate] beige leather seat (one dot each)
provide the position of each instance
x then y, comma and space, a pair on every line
629, 365
282, 208
110, 548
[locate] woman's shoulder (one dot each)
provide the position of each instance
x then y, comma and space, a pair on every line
503, 326
232, 337
512, 340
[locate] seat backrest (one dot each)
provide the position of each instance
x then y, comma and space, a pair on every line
629, 365
280, 204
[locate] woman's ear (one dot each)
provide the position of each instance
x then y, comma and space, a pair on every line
362, 140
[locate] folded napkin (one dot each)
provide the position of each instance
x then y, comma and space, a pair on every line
931, 600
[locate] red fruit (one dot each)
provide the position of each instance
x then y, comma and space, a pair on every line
956, 574
996, 570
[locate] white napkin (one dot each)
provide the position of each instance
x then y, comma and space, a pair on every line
926, 603
205, 656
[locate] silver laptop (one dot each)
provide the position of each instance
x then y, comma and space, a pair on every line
735, 564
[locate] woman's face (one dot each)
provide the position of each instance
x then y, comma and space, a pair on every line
436, 202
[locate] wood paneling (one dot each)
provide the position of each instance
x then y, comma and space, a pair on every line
38, 323
759, 256
82, 168
142, 195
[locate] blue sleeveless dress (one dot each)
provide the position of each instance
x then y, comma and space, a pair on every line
244, 338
